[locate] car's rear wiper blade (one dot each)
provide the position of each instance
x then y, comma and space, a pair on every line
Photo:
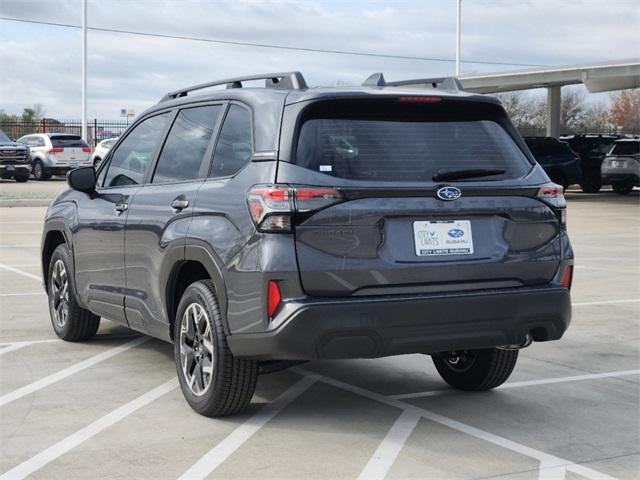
469, 173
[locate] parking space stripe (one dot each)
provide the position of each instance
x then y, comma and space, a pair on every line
551, 473
527, 383
12, 347
62, 374
606, 302
57, 450
21, 272
546, 459
390, 447
24, 294
218, 454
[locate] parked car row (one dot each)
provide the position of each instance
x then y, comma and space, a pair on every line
589, 160
47, 154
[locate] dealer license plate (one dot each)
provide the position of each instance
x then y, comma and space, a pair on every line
443, 237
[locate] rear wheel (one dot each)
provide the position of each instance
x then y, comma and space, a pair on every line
40, 172
213, 381
623, 188
476, 370
70, 321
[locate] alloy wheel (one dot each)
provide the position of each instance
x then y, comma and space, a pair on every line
197, 351
60, 293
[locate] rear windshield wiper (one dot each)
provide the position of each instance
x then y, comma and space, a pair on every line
469, 173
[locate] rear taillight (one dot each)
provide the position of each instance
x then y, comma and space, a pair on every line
567, 277
418, 99
56, 150
272, 206
86, 149
274, 297
553, 195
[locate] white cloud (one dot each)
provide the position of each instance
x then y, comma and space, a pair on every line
134, 72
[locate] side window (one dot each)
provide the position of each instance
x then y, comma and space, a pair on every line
38, 142
234, 146
186, 144
23, 140
131, 159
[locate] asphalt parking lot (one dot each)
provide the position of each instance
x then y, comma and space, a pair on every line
111, 408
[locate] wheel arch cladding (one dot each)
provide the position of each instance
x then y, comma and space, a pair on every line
52, 239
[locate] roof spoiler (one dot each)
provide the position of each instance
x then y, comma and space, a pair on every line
283, 80
451, 84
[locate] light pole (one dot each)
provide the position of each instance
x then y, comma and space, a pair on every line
84, 69
458, 19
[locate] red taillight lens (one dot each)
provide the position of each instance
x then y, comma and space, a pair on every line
567, 277
273, 297
271, 206
553, 195
418, 99
56, 150
86, 149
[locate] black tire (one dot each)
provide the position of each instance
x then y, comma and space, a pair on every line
624, 188
80, 324
40, 172
476, 370
21, 178
559, 179
230, 385
96, 163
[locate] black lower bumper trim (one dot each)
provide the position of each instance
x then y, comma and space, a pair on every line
369, 328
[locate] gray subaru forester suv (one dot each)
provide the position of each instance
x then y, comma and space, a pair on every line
259, 227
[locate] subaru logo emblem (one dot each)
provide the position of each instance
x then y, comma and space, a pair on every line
455, 233
448, 193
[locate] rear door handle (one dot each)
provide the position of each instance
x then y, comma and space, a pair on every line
179, 204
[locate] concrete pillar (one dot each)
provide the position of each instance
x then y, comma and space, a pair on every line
553, 111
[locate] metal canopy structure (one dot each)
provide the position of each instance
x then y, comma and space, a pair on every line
599, 77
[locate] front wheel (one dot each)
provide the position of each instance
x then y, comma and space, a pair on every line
21, 178
70, 321
214, 382
476, 370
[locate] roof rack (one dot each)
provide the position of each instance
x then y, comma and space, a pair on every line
442, 83
283, 80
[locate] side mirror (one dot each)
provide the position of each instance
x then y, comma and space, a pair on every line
82, 179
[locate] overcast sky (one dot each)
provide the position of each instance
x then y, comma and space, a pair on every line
42, 64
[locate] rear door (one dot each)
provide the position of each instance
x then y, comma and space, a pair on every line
407, 224
160, 214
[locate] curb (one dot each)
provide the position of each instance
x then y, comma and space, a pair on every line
25, 202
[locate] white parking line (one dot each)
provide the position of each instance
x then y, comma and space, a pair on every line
21, 246
78, 367
390, 447
12, 347
63, 446
549, 461
21, 272
606, 302
527, 383
24, 294
218, 454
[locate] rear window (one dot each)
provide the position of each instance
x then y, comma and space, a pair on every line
626, 148
393, 141
68, 141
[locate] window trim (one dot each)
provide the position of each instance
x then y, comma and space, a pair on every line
205, 164
107, 161
209, 177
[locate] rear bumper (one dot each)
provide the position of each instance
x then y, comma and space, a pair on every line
377, 327
621, 177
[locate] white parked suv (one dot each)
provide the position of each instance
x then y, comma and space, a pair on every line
101, 150
621, 166
56, 153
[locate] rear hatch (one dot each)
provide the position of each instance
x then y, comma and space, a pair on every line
430, 198
70, 149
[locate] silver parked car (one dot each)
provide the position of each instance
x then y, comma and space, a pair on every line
621, 167
56, 153
101, 150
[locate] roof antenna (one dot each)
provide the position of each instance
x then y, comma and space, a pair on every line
375, 80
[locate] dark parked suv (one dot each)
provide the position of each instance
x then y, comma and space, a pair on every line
557, 159
256, 227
